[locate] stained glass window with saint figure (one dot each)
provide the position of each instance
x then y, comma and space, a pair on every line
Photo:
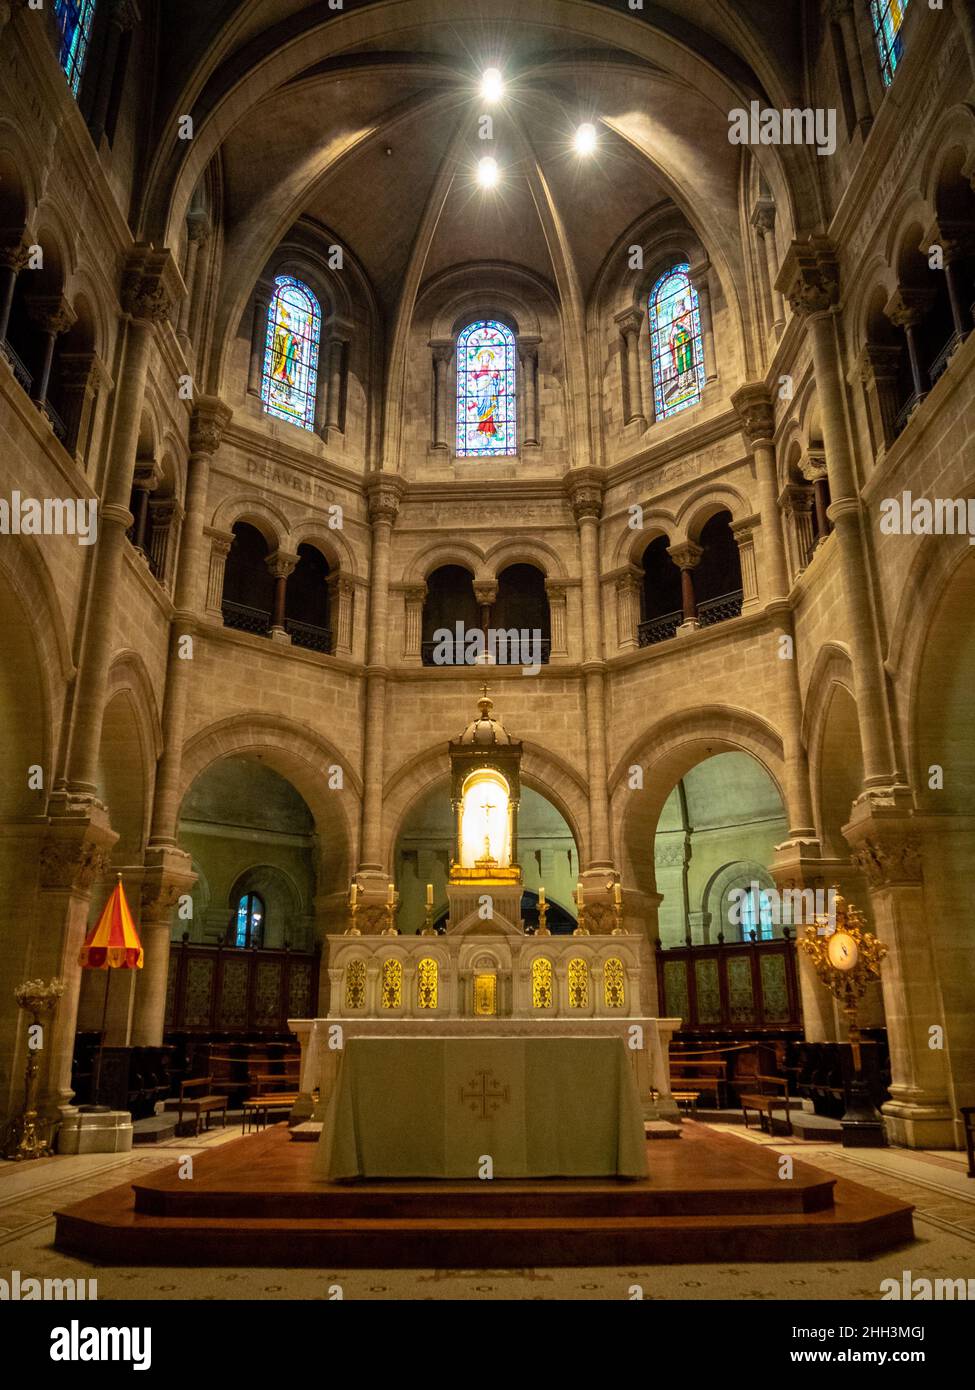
486, 391
250, 921
676, 354
74, 19
294, 333
888, 16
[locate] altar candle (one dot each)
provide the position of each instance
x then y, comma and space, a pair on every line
541, 897
354, 895
429, 895
391, 896
617, 895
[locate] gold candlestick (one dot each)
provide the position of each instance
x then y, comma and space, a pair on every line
392, 908
23, 1140
542, 929
428, 928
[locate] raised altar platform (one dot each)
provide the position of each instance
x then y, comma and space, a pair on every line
712, 1197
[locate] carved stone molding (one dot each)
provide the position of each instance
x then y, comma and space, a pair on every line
907, 306
585, 490
151, 285
686, 556
73, 864
889, 861
384, 493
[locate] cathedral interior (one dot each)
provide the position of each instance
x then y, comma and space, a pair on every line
366, 364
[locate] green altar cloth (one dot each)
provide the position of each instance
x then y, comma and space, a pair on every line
434, 1107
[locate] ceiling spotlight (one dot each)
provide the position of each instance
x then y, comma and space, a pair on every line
487, 172
492, 85
586, 138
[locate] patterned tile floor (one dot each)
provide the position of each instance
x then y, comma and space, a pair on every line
935, 1183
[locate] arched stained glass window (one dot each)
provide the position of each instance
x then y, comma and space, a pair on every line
486, 391
427, 982
541, 983
392, 995
676, 354
355, 984
294, 334
74, 29
760, 922
613, 987
249, 927
888, 16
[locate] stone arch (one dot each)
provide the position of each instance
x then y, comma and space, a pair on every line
955, 130
19, 168
877, 275
706, 502
665, 753
723, 878
332, 544
272, 523
299, 755
450, 552
631, 544
538, 553
461, 294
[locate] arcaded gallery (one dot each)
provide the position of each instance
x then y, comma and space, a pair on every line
487, 697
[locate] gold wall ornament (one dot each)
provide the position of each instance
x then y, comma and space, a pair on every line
613, 983
427, 983
541, 983
846, 957
355, 984
392, 993
22, 1139
578, 984
485, 995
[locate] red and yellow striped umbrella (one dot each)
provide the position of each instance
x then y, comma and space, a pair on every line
113, 944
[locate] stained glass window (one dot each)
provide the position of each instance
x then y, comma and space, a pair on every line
249, 930
760, 921
888, 16
427, 979
676, 355
355, 984
294, 332
613, 989
74, 30
486, 391
541, 983
392, 995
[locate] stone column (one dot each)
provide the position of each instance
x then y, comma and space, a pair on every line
813, 468
123, 15
957, 242
340, 335
528, 353
384, 492
14, 255
585, 489
341, 606
485, 596
629, 585
630, 322
796, 504
281, 565
754, 407
413, 600
744, 534
810, 278
886, 846
220, 543
877, 370
907, 308
80, 373
443, 351
841, 12
687, 557
557, 592
700, 278
965, 20
152, 286
198, 231
763, 220
165, 522
262, 307
148, 476
54, 316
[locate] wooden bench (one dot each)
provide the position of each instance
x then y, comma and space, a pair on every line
764, 1102
706, 1075
198, 1105
255, 1111
687, 1100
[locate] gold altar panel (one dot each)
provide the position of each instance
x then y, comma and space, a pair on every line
392, 997
355, 984
613, 988
485, 995
541, 983
578, 984
427, 983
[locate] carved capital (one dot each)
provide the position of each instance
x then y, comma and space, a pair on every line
442, 349
630, 581
907, 306
686, 556
877, 364
198, 226
281, 563
528, 348
168, 875
810, 277
753, 405
763, 216
210, 419
14, 251
384, 493
52, 313
630, 322
893, 860
556, 589
79, 845
151, 285
812, 465
485, 591
585, 490
415, 594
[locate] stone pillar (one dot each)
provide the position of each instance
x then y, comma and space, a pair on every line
384, 492
810, 278
281, 565
80, 373
796, 503
485, 596
557, 593
198, 231
877, 370
744, 534
763, 220
813, 468
123, 15
54, 316
148, 476
413, 600
443, 351
262, 307
528, 353
630, 322
340, 335
165, 523
700, 278
907, 308
957, 242
585, 489
965, 20
220, 543
887, 848
629, 585
14, 255
152, 286
341, 608
841, 12
687, 557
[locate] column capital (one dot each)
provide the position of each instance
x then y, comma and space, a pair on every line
812, 465
744, 529
876, 363
220, 541
485, 590
281, 563
810, 277
384, 492
340, 583
198, 225
883, 837
414, 593
528, 345
955, 236
629, 320
147, 475
698, 272
208, 423
753, 404
686, 556
168, 875
151, 285
339, 330
556, 589
442, 349
14, 249
584, 487
629, 580
52, 313
907, 306
763, 216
